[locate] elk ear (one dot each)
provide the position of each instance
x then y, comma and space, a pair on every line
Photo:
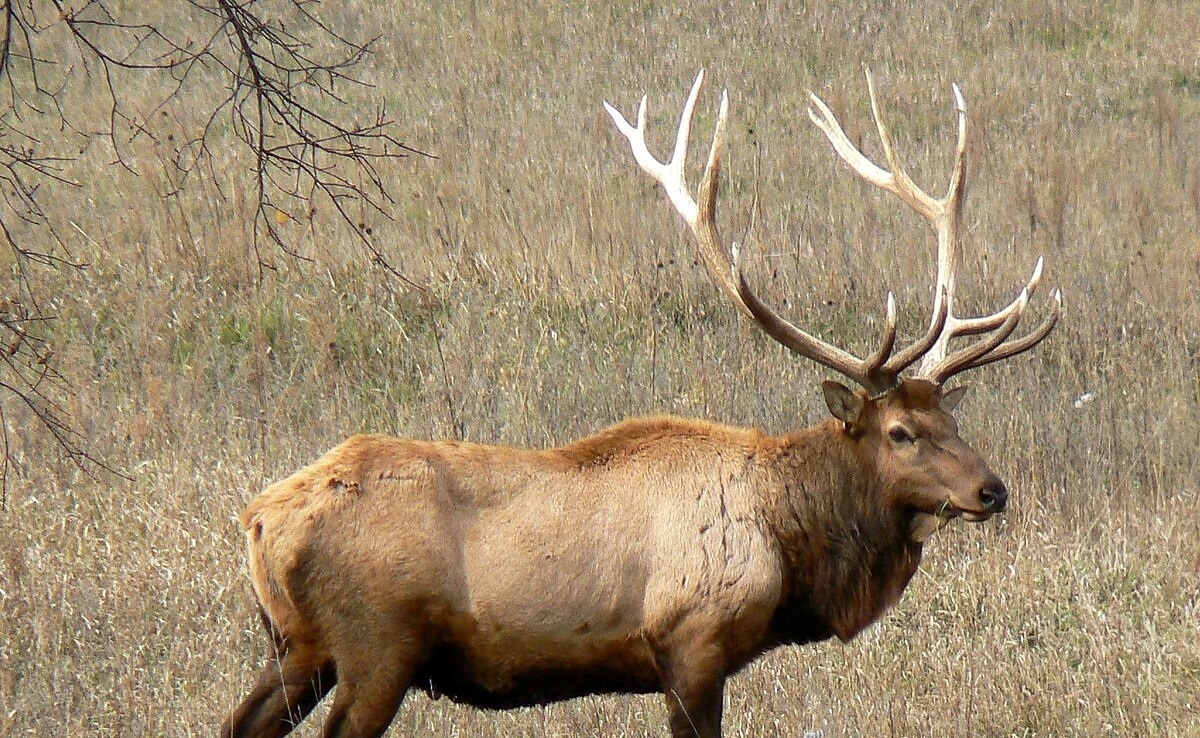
844, 403
951, 398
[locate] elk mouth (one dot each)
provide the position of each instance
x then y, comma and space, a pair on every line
924, 522
948, 511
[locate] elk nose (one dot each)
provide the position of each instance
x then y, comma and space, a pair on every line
994, 496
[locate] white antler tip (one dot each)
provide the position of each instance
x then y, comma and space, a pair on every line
1036, 278
695, 91
959, 103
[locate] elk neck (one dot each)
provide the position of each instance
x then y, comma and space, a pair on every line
846, 553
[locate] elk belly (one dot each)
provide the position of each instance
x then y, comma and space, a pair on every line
507, 668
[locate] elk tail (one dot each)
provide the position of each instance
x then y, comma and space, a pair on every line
274, 602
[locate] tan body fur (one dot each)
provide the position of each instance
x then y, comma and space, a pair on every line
660, 554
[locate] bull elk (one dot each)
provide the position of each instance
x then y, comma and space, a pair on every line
661, 554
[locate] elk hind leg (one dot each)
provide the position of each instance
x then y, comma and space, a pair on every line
288, 688
371, 686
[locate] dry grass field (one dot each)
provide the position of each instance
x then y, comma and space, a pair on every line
562, 296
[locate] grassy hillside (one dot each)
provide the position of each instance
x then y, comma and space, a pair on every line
562, 295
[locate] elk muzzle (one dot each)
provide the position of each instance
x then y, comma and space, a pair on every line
992, 498
994, 495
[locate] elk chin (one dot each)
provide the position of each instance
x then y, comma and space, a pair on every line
976, 517
923, 524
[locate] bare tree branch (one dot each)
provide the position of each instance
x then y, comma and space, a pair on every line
286, 72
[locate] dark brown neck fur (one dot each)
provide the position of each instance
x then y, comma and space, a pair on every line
848, 554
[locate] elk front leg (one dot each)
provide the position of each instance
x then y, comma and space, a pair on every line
693, 677
374, 671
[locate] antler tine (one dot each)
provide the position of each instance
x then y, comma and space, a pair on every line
958, 177
992, 348
963, 358
896, 180
901, 184
984, 323
1022, 344
700, 218
824, 119
670, 174
875, 361
908, 356
946, 228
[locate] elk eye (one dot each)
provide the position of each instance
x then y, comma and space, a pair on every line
900, 435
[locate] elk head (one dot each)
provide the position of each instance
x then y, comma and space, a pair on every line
901, 425
923, 467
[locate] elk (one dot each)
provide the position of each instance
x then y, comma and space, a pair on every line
659, 555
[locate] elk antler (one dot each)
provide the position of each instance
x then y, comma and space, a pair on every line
878, 373
944, 215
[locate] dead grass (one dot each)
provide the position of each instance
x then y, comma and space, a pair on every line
563, 296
